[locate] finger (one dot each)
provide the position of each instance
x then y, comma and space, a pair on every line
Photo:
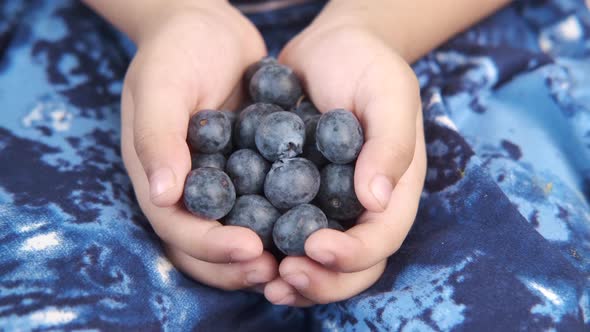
321, 285
279, 292
202, 239
234, 276
387, 101
377, 235
163, 101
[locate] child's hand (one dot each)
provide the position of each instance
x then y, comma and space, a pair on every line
191, 56
345, 66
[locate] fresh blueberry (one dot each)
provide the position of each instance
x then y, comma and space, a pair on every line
333, 224
249, 119
295, 226
336, 196
209, 193
215, 160
339, 136
247, 169
280, 135
253, 68
255, 213
291, 182
209, 131
275, 84
306, 110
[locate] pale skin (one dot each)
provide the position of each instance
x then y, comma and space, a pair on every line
355, 55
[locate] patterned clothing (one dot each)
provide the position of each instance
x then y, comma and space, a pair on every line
502, 237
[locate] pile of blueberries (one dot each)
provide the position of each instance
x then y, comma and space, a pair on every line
271, 182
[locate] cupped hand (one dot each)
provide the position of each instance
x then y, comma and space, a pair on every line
347, 66
191, 56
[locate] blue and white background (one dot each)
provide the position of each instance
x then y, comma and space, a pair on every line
502, 238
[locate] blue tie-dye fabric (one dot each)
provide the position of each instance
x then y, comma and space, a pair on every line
501, 241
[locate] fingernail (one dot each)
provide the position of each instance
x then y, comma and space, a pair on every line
255, 277
381, 188
287, 300
323, 257
297, 280
161, 181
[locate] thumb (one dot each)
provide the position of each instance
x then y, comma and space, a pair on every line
387, 106
159, 131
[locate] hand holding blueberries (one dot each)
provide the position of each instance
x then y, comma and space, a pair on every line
344, 65
344, 69
179, 68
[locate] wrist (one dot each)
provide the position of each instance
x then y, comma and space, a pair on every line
152, 17
411, 28
372, 18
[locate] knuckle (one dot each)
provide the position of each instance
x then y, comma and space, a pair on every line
142, 139
349, 262
147, 141
362, 256
403, 151
396, 150
210, 252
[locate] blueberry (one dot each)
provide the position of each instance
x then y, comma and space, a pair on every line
248, 121
339, 136
280, 135
253, 68
310, 150
336, 196
275, 84
215, 160
247, 169
255, 213
333, 224
291, 182
209, 131
209, 193
295, 226
306, 110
